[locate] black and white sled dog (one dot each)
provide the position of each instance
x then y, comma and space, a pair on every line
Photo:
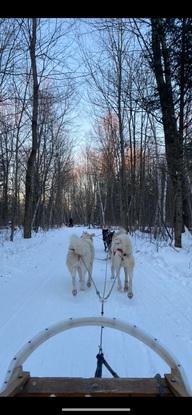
79, 259
107, 238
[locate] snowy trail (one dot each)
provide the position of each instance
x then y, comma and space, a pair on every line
36, 293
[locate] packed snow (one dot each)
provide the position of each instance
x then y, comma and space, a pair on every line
36, 292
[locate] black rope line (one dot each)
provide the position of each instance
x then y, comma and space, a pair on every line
98, 372
114, 374
101, 361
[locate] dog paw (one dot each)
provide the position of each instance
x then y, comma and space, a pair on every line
74, 292
130, 295
89, 284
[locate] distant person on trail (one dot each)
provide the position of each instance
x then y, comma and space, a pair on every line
70, 222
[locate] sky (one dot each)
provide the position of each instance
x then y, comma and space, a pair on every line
36, 292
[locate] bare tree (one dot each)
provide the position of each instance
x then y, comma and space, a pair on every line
174, 153
31, 160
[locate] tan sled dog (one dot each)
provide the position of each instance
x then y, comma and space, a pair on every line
80, 258
122, 257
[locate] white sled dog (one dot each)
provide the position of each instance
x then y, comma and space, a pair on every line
80, 258
122, 257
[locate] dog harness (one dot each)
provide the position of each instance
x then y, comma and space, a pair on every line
120, 252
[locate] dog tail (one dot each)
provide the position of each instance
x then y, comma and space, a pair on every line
77, 245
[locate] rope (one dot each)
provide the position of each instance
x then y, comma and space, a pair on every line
101, 259
114, 281
98, 372
114, 374
100, 361
100, 356
102, 298
91, 278
105, 281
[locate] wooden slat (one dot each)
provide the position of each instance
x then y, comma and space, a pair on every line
175, 385
93, 387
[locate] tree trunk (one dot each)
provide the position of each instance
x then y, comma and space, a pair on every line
31, 161
173, 146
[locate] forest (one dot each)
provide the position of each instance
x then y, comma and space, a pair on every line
96, 124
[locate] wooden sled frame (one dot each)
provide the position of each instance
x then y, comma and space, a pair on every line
15, 378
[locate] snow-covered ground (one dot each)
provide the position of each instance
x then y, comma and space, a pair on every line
35, 292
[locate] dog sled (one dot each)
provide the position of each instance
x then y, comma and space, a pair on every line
19, 383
